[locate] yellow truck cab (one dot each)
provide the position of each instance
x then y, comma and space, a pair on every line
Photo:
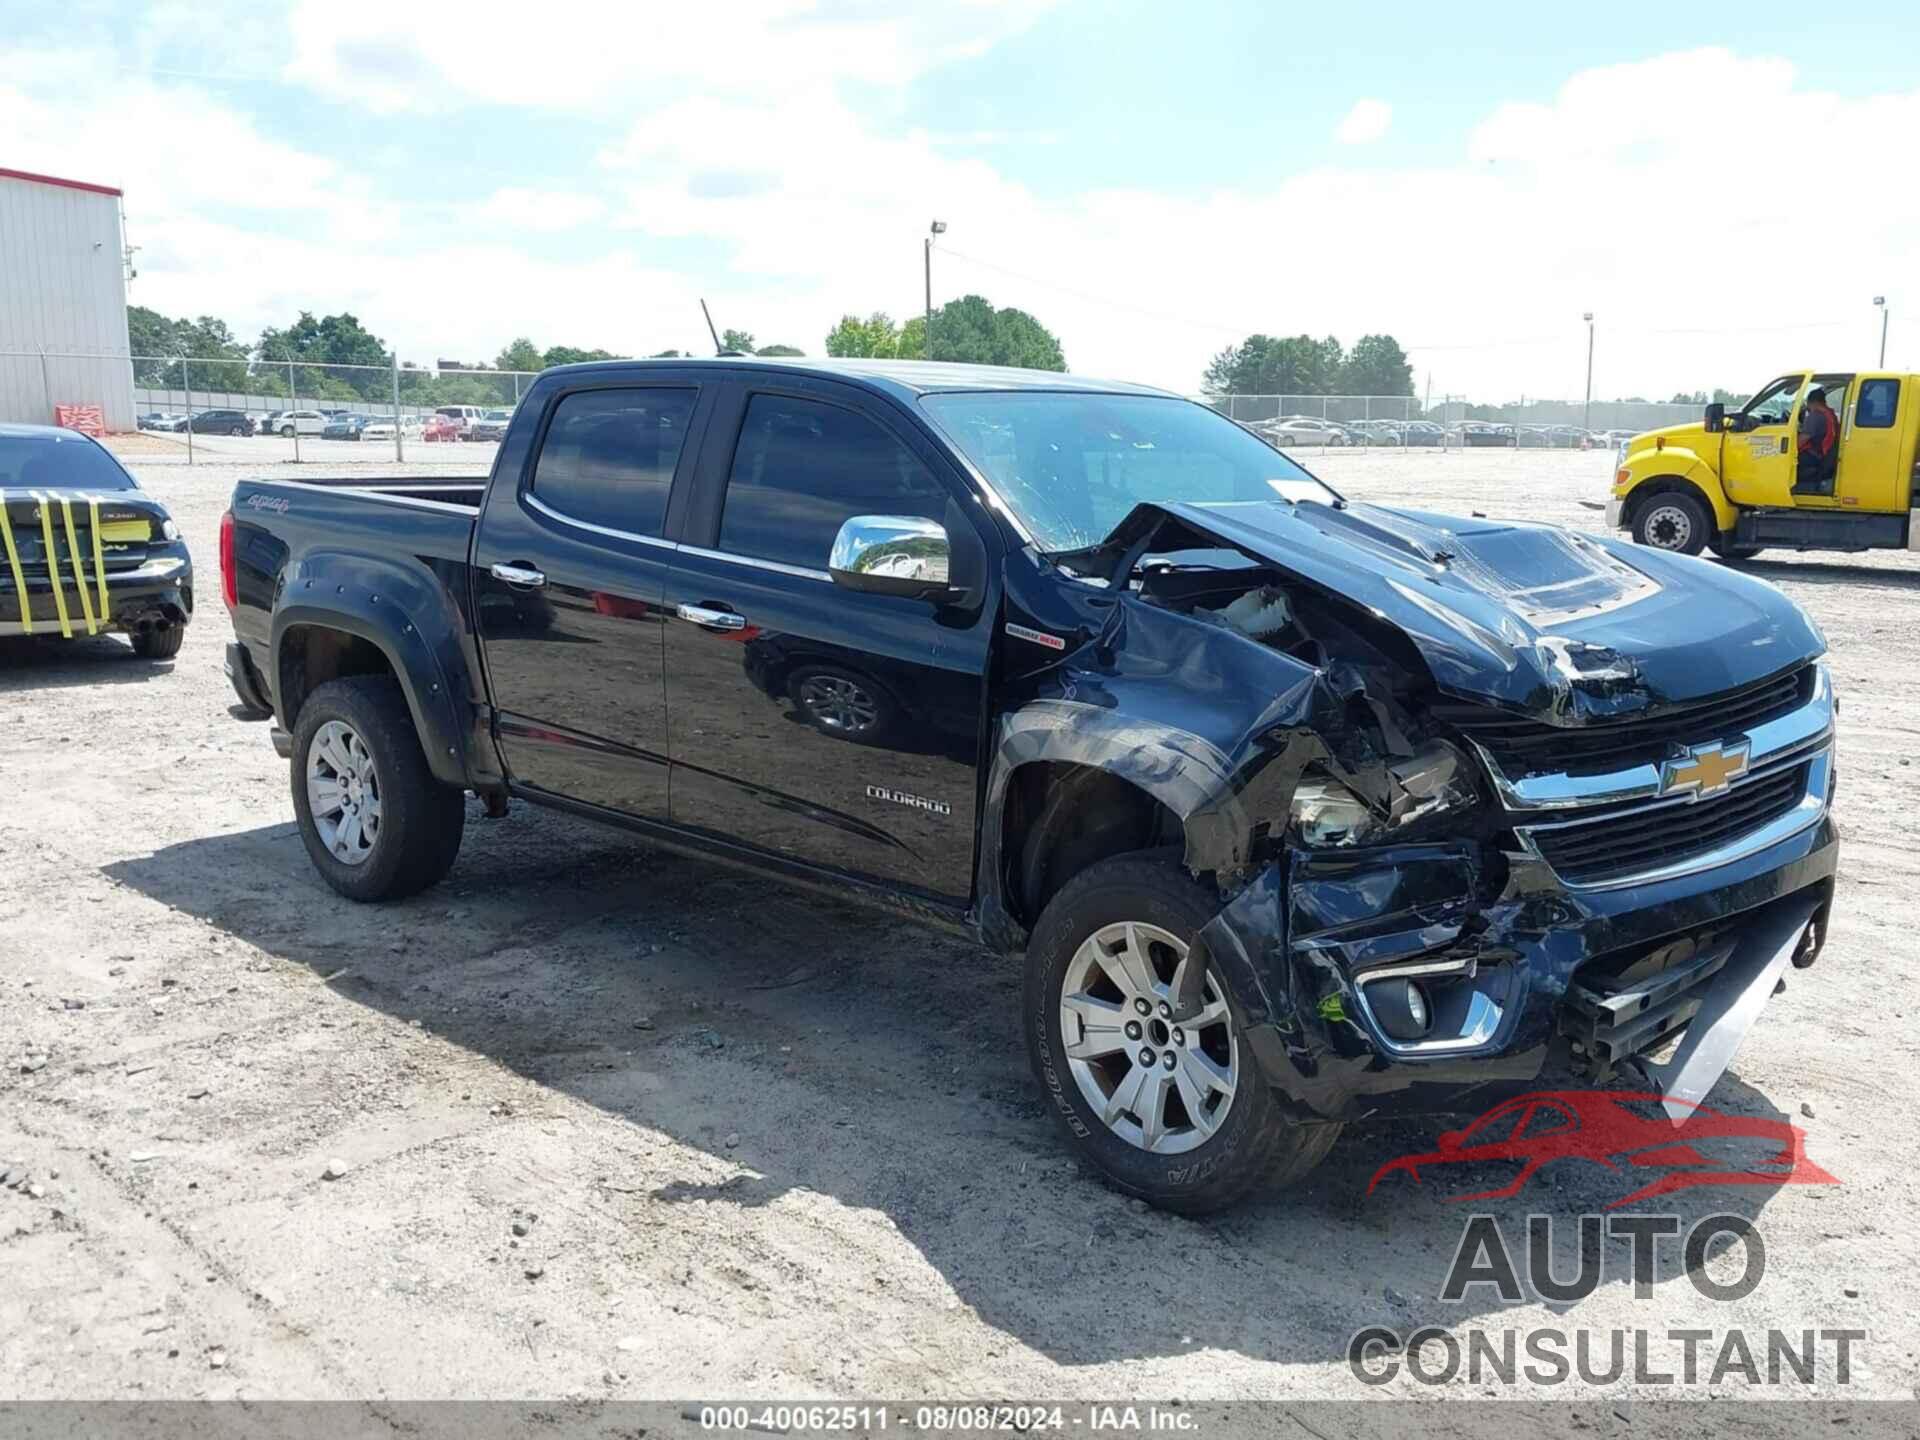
1740, 484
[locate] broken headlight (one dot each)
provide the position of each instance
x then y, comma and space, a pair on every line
1434, 781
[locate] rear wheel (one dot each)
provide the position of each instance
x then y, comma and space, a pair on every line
375, 822
1672, 521
1170, 1108
162, 642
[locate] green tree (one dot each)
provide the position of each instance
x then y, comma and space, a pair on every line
1376, 366
969, 330
1273, 365
874, 338
522, 354
217, 360
572, 355
335, 340
912, 344
780, 350
740, 341
665, 355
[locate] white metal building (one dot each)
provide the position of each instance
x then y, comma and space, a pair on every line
63, 300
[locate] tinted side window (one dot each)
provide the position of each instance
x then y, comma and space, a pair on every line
802, 468
609, 456
1878, 400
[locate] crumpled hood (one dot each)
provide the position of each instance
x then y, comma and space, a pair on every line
1571, 628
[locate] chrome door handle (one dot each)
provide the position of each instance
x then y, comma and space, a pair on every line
711, 619
519, 575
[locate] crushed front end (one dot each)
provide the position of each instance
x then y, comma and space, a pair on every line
1480, 803
1619, 916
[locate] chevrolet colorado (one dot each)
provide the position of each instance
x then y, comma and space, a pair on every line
1299, 809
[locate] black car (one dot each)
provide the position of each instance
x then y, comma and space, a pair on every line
345, 427
83, 550
221, 422
1299, 809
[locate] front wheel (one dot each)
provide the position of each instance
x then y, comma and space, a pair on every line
375, 822
1170, 1108
1673, 521
286, 432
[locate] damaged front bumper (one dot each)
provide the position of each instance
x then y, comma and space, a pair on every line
1541, 976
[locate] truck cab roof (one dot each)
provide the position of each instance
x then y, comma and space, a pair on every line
899, 379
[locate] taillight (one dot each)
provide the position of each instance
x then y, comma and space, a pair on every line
229, 579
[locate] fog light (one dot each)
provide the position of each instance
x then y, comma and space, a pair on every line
1401, 1008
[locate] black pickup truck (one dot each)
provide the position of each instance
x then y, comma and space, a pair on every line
1299, 809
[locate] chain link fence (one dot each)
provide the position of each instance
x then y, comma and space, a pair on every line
227, 409
1600, 415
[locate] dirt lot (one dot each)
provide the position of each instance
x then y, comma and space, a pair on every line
608, 1122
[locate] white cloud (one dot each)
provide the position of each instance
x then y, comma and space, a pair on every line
516, 207
1658, 194
431, 55
1366, 122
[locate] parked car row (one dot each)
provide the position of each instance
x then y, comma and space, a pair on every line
1290, 431
449, 422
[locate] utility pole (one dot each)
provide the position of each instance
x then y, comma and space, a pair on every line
1880, 303
1586, 422
939, 227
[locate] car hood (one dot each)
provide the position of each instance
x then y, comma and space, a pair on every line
1567, 627
1689, 435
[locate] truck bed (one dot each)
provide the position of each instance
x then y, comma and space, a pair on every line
463, 490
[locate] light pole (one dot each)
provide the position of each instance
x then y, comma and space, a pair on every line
1586, 422
1880, 304
939, 227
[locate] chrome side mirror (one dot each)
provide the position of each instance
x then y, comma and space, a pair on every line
891, 555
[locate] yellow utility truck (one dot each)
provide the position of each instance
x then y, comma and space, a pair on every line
1743, 482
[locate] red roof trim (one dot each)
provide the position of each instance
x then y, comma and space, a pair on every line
56, 180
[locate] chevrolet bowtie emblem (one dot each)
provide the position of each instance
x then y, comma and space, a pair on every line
1705, 770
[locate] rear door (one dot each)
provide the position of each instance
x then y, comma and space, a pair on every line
826, 726
571, 560
1871, 476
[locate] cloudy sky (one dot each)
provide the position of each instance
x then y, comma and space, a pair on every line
1727, 193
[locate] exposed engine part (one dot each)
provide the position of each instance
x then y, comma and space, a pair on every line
1258, 613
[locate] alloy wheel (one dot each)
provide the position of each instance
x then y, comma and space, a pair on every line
1161, 1082
343, 792
839, 704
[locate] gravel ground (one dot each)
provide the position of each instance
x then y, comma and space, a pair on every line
590, 1120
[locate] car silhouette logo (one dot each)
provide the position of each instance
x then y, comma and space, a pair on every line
1622, 1131
1705, 769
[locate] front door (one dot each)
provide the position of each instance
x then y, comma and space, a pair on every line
570, 567
831, 727
1870, 476
1760, 446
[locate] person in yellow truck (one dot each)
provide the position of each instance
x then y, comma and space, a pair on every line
1819, 442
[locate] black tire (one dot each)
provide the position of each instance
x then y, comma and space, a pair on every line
162, 642
421, 820
1727, 550
843, 703
237, 431
1673, 521
286, 432
1255, 1144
